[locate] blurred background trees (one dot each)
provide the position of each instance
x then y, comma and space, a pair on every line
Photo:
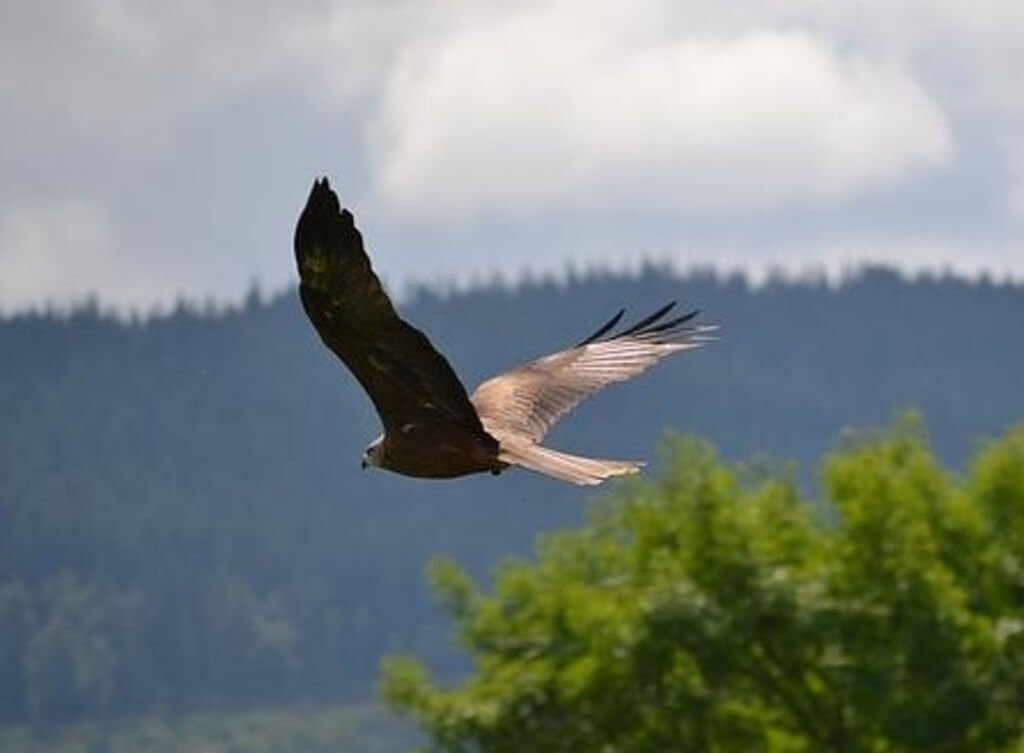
184, 527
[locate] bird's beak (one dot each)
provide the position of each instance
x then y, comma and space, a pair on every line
363, 464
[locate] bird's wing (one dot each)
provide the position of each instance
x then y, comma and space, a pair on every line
407, 379
527, 401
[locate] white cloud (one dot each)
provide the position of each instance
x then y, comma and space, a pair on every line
96, 68
54, 252
1015, 201
528, 111
590, 130
64, 251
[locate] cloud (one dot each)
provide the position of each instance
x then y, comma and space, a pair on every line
1015, 201
155, 149
61, 251
101, 68
64, 251
526, 112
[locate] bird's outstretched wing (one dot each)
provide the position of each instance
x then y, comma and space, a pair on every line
527, 401
407, 379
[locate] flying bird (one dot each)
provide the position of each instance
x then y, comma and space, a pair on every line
432, 427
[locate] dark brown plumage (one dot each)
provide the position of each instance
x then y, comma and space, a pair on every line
432, 428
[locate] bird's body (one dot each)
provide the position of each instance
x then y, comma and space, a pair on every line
432, 427
439, 451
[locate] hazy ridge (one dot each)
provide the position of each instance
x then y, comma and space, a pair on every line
184, 524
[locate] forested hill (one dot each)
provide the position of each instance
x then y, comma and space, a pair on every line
183, 519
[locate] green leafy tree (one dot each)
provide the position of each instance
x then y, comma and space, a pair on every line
719, 610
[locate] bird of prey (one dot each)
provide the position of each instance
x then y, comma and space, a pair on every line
432, 427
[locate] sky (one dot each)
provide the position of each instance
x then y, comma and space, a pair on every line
153, 150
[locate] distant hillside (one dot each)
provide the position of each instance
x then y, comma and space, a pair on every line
184, 523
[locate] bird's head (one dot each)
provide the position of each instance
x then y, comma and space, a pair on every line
373, 456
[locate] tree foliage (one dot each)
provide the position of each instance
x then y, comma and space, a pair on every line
719, 609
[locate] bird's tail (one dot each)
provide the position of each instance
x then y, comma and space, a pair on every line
561, 465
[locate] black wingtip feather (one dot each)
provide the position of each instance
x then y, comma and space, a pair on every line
648, 321
673, 323
322, 198
325, 234
604, 328
649, 326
